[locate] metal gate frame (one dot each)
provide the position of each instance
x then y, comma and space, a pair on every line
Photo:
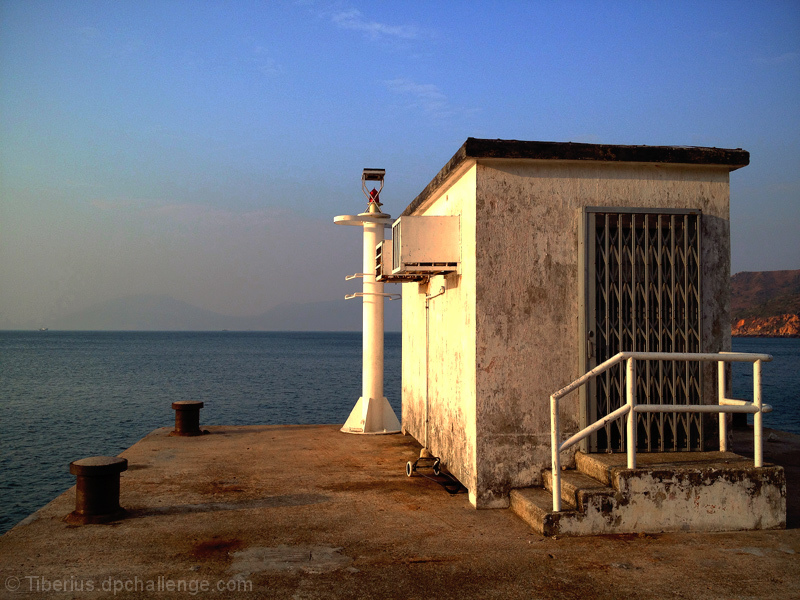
638, 258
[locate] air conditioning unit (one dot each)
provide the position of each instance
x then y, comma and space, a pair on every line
383, 266
426, 245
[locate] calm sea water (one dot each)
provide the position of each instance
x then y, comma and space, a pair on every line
780, 380
68, 395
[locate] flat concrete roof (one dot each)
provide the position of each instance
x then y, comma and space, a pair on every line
309, 512
478, 149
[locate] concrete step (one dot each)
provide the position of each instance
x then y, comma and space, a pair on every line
712, 491
593, 466
581, 490
606, 467
534, 505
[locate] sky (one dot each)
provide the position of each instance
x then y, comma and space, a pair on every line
200, 149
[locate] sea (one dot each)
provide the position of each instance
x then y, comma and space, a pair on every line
69, 395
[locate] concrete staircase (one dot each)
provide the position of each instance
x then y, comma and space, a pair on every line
675, 491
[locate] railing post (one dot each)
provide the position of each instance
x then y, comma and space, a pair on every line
757, 417
631, 393
723, 424
721, 358
555, 453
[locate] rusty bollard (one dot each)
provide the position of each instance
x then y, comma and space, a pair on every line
187, 417
97, 489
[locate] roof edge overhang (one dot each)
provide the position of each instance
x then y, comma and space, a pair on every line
475, 149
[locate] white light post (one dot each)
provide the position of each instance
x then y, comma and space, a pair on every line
372, 413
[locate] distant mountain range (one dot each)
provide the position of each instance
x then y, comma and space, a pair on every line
162, 313
766, 303
763, 303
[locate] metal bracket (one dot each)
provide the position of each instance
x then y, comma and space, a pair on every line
355, 276
389, 296
429, 297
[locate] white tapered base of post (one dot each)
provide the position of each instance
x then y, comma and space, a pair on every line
377, 417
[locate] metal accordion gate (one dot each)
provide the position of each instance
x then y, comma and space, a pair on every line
642, 293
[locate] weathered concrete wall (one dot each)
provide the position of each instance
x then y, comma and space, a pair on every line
707, 500
445, 374
528, 215
699, 500
504, 335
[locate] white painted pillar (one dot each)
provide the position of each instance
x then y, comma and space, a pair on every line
372, 414
372, 345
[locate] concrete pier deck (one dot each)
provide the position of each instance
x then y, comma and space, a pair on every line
309, 512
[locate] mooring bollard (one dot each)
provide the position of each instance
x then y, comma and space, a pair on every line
187, 417
97, 489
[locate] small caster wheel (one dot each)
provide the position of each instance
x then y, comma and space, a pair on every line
436, 467
409, 469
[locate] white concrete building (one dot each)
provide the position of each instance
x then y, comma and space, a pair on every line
568, 253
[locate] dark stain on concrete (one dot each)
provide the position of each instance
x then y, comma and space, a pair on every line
215, 548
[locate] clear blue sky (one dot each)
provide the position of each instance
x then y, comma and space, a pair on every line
200, 149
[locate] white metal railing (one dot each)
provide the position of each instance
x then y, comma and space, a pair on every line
724, 405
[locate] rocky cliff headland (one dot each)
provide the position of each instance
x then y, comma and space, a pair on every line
766, 304
780, 326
